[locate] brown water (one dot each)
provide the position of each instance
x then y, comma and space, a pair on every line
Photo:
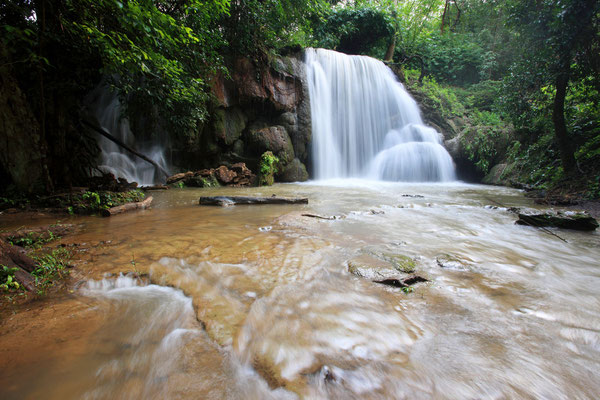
256, 302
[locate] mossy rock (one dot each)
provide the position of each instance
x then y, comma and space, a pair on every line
262, 138
202, 182
372, 268
229, 124
294, 172
581, 221
494, 176
401, 262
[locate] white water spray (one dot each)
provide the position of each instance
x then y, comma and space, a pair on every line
114, 159
366, 125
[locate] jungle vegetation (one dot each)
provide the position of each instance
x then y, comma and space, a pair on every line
525, 74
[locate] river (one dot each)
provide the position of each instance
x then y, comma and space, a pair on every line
256, 302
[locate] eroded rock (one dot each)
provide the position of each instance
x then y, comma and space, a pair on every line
577, 220
271, 138
237, 175
224, 174
294, 172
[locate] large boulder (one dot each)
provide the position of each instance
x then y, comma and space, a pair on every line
494, 176
271, 138
224, 174
293, 172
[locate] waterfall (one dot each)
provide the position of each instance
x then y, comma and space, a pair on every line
106, 107
364, 123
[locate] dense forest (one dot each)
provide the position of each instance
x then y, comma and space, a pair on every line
519, 79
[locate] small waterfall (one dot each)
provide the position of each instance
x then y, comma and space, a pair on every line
365, 124
106, 107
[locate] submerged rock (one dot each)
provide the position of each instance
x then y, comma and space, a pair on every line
372, 268
392, 272
448, 261
401, 262
577, 220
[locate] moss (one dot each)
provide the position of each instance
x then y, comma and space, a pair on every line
267, 169
92, 202
378, 259
400, 262
210, 181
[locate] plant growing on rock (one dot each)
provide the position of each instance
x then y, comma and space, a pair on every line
267, 169
7, 278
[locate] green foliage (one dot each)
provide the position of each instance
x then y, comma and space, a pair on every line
440, 97
482, 96
33, 240
52, 268
365, 29
252, 27
93, 202
13, 200
92, 198
486, 137
537, 164
7, 279
210, 181
267, 169
453, 58
155, 52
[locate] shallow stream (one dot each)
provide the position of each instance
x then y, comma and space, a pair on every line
256, 302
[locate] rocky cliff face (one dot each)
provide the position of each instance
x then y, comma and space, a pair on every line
259, 108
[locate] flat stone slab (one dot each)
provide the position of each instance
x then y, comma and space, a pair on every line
382, 271
225, 201
371, 268
578, 220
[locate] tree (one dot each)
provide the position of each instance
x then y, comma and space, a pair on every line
560, 39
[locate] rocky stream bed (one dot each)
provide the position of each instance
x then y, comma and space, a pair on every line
286, 300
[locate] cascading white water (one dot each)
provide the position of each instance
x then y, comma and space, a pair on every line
114, 159
365, 124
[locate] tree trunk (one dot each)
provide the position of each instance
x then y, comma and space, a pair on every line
140, 205
389, 54
560, 127
444, 17
13, 257
224, 201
